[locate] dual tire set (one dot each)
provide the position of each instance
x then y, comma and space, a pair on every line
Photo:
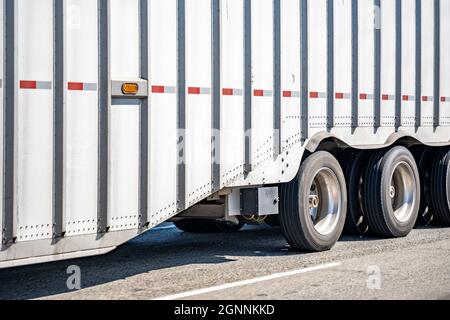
383, 193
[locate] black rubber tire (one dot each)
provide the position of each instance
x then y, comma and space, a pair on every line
440, 187
354, 163
377, 201
424, 159
207, 226
295, 218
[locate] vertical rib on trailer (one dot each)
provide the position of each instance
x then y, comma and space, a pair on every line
181, 103
304, 69
58, 119
330, 64
418, 63
355, 65
10, 125
277, 77
248, 85
104, 113
398, 64
143, 117
437, 61
377, 66
216, 95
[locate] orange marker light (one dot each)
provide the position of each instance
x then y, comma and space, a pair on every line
130, 88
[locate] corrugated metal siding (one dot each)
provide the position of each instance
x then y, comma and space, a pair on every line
341, 68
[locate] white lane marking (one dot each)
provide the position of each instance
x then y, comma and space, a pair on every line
248, 282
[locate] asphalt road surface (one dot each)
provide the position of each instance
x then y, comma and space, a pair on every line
255, 263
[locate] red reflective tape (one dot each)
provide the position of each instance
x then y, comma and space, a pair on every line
314, 95
227, 92
287, 94
445, 99
193, 90
79, 86
405, 98
158, 89
258, 93
425, 98
26, 84
385, 97
339, 95
363, 96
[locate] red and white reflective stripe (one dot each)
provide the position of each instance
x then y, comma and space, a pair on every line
427, 99
408, 98
163, 89
81, 86
366, 96
262, 93
35, 85
387, 97
291, 94
232, 92
342, 96
198, 90
445, 99
317, 95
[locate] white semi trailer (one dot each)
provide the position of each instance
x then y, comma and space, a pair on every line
118, 115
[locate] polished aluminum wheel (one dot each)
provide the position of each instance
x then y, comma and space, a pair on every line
403, 192
325, 201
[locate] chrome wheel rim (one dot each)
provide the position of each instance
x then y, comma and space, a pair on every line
325, 202
403, 192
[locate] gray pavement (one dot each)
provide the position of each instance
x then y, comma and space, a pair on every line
167, 262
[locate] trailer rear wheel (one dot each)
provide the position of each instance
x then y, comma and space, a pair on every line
354, 165
424, 159
440, 187
392, 193
314, 204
